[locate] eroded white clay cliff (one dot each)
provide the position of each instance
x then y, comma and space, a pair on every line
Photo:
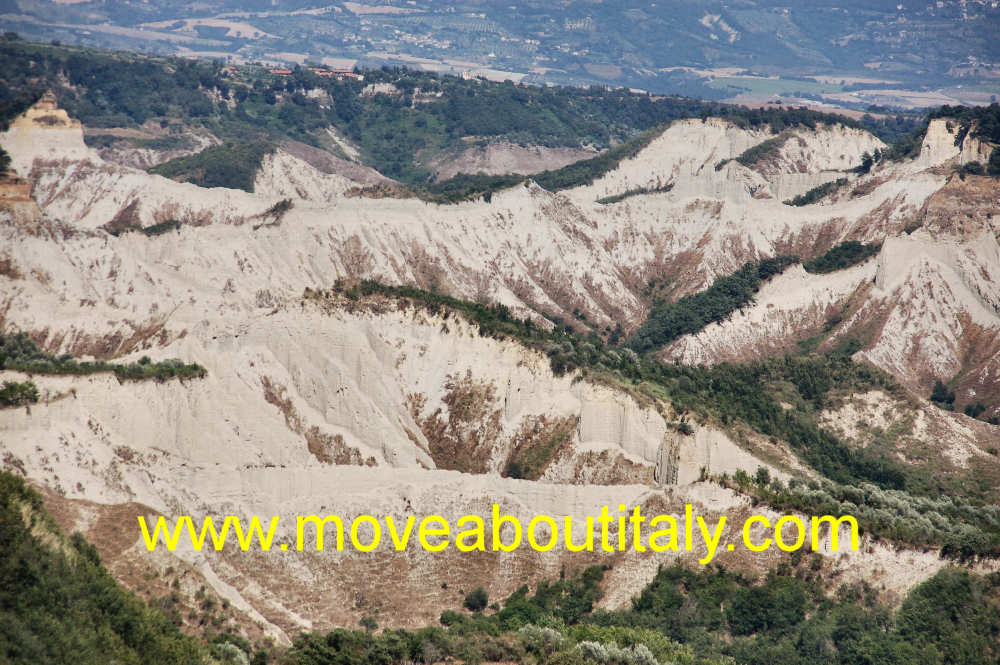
312, 406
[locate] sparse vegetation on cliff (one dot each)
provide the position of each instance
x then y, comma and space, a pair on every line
19, 352
754, 396
817, 193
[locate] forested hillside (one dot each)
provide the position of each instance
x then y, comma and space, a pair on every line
699, 618
417, 115
59, 605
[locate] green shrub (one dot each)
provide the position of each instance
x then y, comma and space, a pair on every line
617, 198
161, 228
941, 396
59, 605
817, 193
971, 168
476, 600
974, 410
755, 154
18, 393
232, 165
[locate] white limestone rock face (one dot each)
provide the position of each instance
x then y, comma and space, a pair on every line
241, 441
45, 132
284, 176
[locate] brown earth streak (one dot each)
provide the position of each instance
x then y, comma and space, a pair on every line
327, 448
538, 442
979, 378
463, 438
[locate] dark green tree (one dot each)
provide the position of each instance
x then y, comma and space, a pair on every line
477, 600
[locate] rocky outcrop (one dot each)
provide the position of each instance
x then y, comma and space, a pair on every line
503, 157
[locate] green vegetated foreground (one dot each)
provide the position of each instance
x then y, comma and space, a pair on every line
20, 353
706, 617
58, 605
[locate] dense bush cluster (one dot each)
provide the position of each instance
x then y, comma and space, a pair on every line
701, 617
753, 155
230, 165
18, 393
786, 618
19, 352
843, 255
943, 397
476, 600
962, 531
617, 198
586, 171
668, 321
464, 187
906, 146
162, 227
753, 393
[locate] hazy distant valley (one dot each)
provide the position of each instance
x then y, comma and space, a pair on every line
853, 54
